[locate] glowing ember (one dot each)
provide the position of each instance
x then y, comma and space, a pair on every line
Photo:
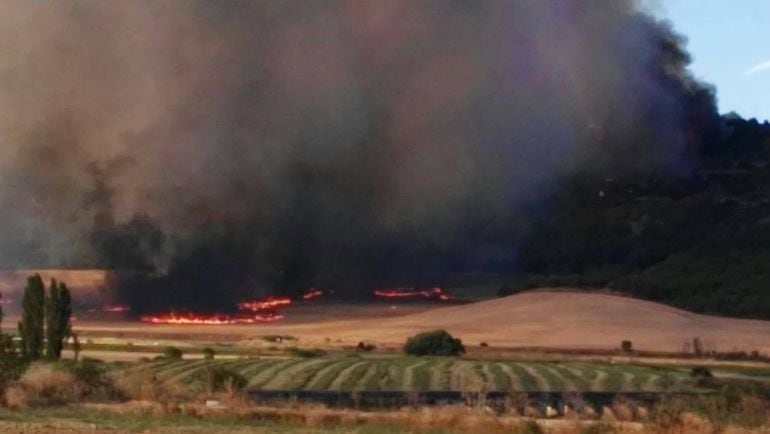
264, 304
313, 293
430, 293
115, 308
201, 319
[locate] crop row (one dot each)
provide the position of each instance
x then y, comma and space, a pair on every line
413, 373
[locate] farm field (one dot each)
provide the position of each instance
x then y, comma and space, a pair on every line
546, 319
442, 374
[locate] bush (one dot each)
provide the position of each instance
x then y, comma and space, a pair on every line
44, 385
11, 369
529, 427
626, 346
598, 428
144, 385
218, 378
172, 353
701, 372
434, 343
307, 352
365, 348
208, 354
278, 338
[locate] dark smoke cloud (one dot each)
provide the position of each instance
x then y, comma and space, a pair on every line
241, 147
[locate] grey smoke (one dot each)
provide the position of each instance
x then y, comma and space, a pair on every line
336, 140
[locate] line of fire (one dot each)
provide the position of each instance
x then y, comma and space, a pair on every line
270, 309
99, 302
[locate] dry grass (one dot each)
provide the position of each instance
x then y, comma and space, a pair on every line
567, 320
43, 385
237, 414
142, 384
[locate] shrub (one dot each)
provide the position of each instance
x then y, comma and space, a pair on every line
144, 385
218, 378
95, 378
598, 428
307, 352
701, 372
626, 346
43, 385
278, 338
529, 427
208, 354
697, 347
484, 345
172, 353
11, 368
365, 348
434, 343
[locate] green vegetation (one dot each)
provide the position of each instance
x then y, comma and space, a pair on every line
32, 324
307, 352
208, 353
626, 346
442, 373
697, 239
172, 353
434, 343
45, 319
58, 309
278, 338
220, 378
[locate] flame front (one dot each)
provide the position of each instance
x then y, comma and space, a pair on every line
430, 293
201, 319
264, 304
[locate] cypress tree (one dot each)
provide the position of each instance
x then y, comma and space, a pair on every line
58, 311
3, 348
31, 326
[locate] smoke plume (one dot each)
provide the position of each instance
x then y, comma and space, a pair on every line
241, 147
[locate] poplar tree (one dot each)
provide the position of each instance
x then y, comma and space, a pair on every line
58, 312
31, 326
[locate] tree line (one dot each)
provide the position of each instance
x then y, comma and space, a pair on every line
45, 322
698, 239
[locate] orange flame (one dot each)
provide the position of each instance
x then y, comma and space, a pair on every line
313, 293
200, 319
263, 304
430, 293
115, 308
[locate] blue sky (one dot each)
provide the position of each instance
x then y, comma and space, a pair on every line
729, 41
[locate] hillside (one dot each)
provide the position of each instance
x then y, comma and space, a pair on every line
585, 320
534, 319
697, 239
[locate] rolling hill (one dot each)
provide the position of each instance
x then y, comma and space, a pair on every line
553, 319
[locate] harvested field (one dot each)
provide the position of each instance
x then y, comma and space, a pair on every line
558, 320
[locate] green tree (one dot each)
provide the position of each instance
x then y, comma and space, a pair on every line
434, 343
626, 346
31, 326
58, 312
208, 353
172, 353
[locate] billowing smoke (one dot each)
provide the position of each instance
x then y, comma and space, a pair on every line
248, 146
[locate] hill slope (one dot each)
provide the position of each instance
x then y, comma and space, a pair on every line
584, 320
555, 319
